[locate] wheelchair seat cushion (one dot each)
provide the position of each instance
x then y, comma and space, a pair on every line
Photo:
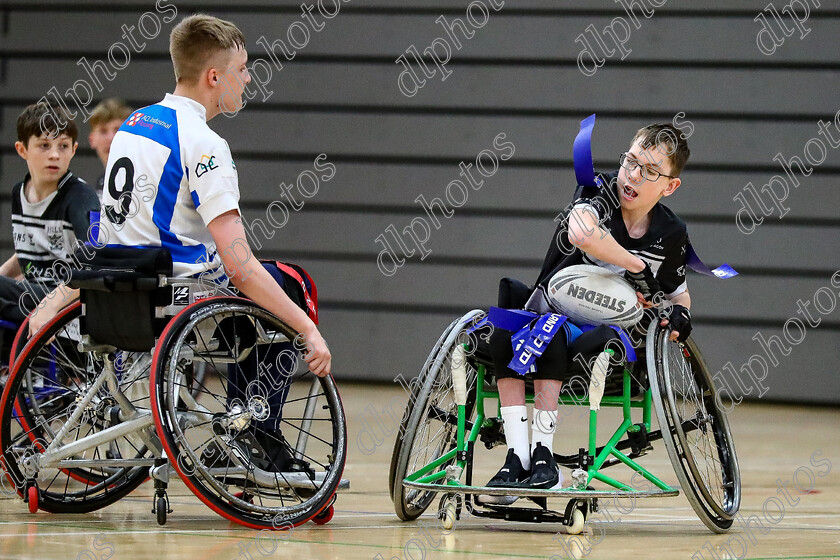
512, 293
144, 260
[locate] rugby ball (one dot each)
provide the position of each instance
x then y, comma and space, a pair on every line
591, 295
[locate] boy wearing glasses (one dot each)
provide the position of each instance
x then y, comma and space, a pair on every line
620, 226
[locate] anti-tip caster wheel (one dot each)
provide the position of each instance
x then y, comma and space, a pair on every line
324, 517
32, 498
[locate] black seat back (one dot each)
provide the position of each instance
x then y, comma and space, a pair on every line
120, 290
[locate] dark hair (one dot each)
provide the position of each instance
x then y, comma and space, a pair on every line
668, 141
43, 118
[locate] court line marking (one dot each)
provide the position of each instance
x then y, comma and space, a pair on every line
357, 545
215, 533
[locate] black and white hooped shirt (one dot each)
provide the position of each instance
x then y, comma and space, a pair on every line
46, 231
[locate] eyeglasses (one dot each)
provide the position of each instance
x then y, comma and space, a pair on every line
631, 163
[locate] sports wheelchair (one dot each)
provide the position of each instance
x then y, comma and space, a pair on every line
150, 375
446, 417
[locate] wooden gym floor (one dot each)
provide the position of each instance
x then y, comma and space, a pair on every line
774, 443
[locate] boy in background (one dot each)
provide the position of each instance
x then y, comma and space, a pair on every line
105, 121
50, 210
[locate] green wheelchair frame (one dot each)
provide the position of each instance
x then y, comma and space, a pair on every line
415, 483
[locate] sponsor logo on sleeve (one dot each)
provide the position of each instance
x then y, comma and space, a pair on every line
134, 118
146, 121
206, 164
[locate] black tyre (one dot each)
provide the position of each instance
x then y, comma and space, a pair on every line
694, 428
429, 426
261, 445
49, 378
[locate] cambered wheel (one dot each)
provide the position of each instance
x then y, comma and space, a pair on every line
49, 379
260, 440
694, 428
429, 426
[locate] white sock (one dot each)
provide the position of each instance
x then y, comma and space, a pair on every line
516, 432
542, 428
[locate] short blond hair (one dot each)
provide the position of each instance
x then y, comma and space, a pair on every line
108, 110
196, 40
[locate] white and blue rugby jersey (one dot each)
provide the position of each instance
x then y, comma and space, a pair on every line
168, 176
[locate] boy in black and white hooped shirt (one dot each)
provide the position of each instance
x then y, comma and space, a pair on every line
51, 210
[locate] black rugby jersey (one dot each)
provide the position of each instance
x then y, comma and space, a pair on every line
46, 231
662, 247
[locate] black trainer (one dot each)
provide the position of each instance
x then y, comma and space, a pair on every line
510, 475
544, 470
266, 450
276, 453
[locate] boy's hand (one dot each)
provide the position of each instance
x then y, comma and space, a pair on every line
644, 282
49, 307
680, 321
315, 353
43, 314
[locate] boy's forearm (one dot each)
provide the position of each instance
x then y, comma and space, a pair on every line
11, 267
248, 275
255, 282
683, 299
607, 249
586, 234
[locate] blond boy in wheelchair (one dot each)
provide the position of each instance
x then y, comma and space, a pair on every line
195, 209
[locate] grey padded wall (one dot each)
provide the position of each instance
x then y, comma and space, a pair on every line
517, 75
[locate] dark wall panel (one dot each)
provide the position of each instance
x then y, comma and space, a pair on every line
517, 75
552, 36
551, 89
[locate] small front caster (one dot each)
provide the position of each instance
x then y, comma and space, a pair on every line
449, 510
161, 509
160, 504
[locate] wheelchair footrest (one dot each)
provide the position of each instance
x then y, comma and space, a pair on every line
510, 513
535, 493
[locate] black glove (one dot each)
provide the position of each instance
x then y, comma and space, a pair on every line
680, 321
644, 282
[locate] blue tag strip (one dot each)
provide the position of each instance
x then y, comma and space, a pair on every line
94, 229
694, 263
509, 319
582, 150
530, 342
